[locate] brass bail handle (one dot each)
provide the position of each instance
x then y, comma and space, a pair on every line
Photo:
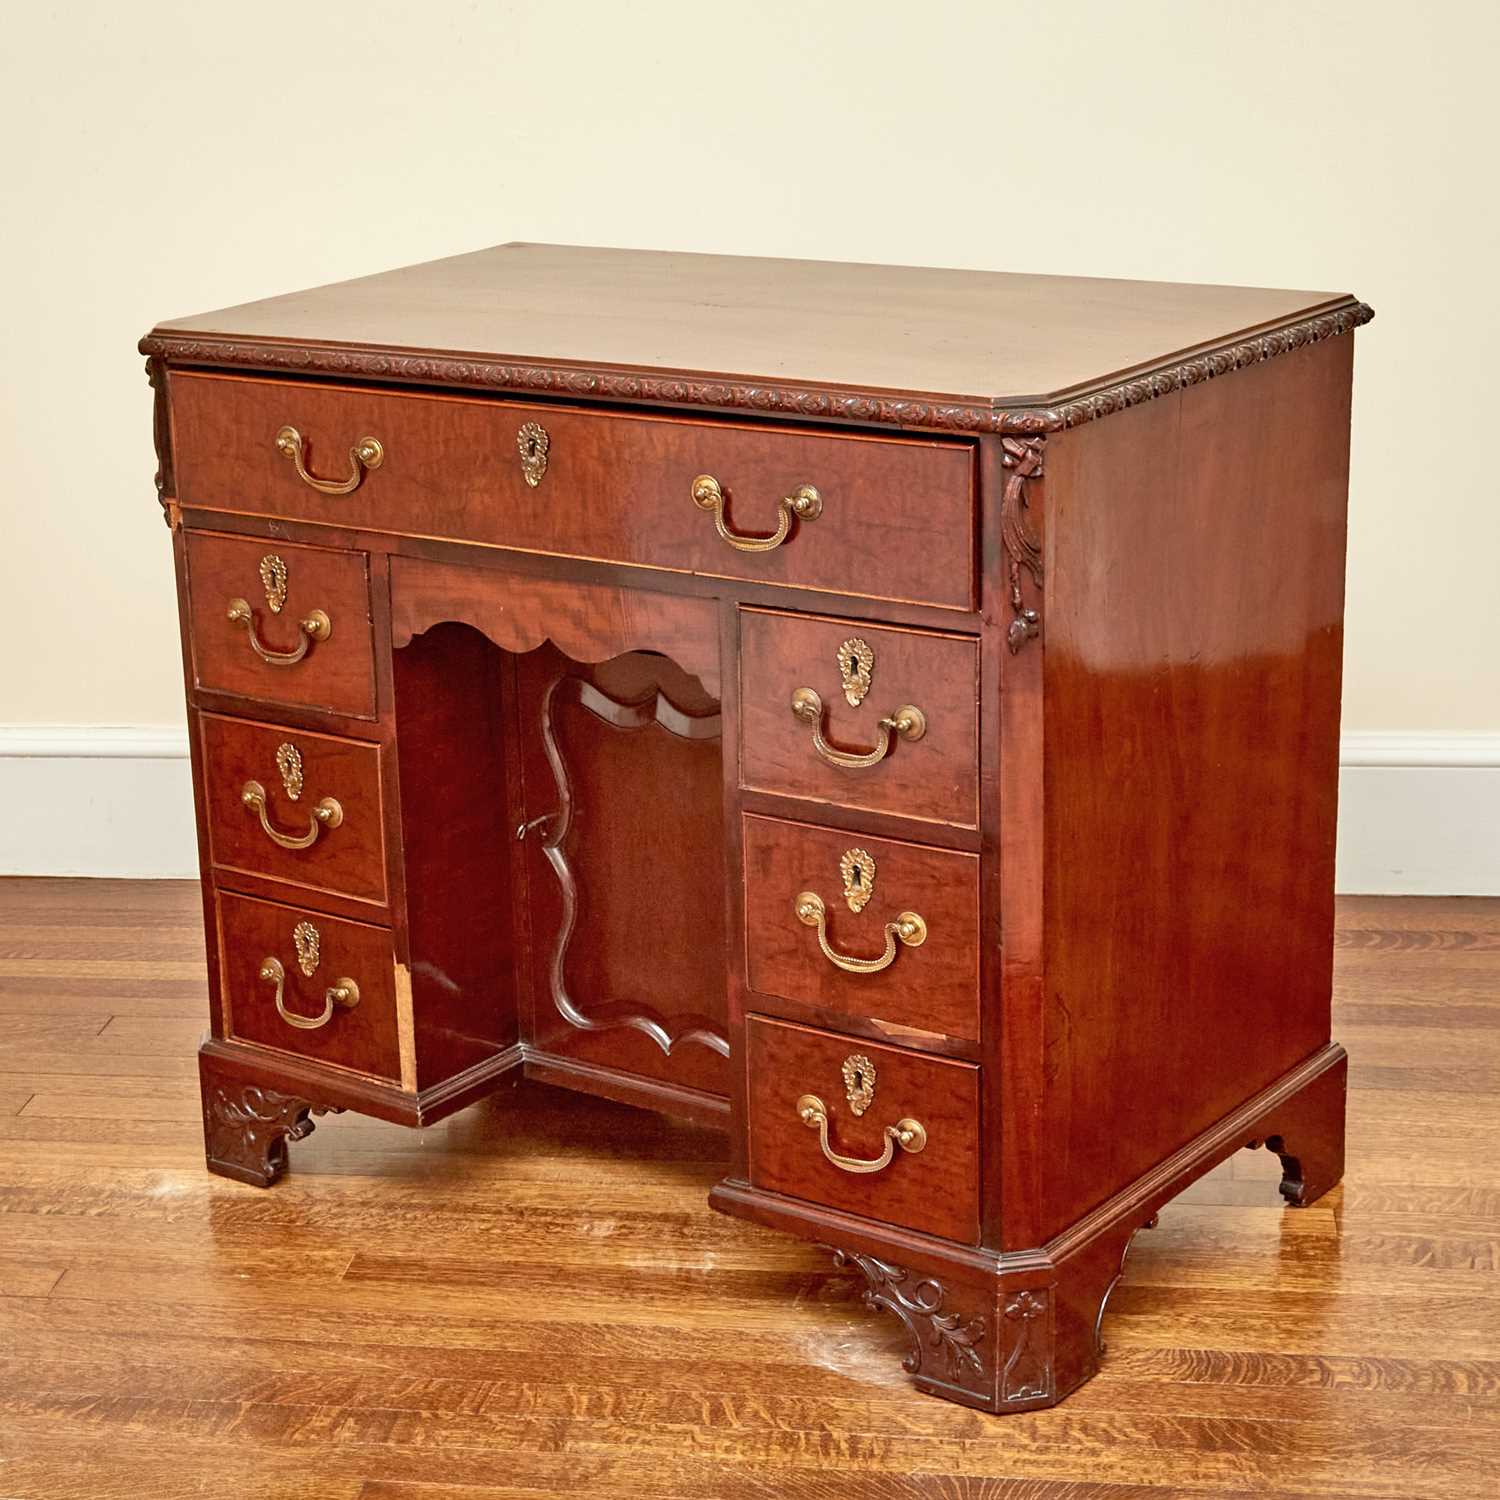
804, 503
908, 722
327, 813
315, 627
909, 1135
368, 453
342, 993
908, 929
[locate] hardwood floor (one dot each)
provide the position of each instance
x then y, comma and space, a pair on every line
533, 1299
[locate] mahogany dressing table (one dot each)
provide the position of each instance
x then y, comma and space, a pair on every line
889, 714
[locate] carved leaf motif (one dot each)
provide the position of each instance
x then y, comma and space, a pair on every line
945, 1337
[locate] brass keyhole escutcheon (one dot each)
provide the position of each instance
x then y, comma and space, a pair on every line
859, 1082
856, 669
532, 442
857, 870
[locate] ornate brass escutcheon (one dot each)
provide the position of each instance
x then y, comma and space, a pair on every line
859, 1082
289, 763
857, 870
533, 442
273, 580
309, 946
856, 666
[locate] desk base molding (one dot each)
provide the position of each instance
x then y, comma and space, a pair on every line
1020, 1329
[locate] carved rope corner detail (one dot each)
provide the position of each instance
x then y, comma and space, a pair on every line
1022, 459
943, 1337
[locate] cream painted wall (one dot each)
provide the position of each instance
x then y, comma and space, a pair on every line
165, 158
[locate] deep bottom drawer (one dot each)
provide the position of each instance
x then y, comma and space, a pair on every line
868, 1093
305, 958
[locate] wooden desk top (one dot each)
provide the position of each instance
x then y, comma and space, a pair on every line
915, 347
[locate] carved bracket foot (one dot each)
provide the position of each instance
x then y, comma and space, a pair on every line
952, 1345
1307, 1133
246, 1126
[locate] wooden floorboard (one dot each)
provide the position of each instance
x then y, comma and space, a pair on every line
533, 1299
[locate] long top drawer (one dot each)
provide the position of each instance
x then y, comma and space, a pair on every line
891, 518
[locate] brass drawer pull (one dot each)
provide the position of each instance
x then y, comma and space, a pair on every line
316, 627
345, 993
908, 928
909, 1135
907, 721
366, 454
327, 813
804, 502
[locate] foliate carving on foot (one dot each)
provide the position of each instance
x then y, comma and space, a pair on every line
943, 1344
1027, 1373
246, 1128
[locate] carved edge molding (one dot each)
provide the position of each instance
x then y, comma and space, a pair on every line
942, 1337
657, 710
818, 403
161, 432
1022, 459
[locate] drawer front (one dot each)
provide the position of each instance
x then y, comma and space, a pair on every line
896, 518
293, 806
263, 942
934, 1190
930, 985
282, 624
801, 736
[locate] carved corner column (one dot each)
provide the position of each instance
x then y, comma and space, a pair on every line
246, 1124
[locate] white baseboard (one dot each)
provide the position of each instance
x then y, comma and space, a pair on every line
81, 800
1418, 814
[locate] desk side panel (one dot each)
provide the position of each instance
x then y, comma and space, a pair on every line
1193, 636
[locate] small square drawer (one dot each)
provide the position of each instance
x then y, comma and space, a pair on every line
878, 1131
305, 983
281, 623
869, 927
863, 716
293, 806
